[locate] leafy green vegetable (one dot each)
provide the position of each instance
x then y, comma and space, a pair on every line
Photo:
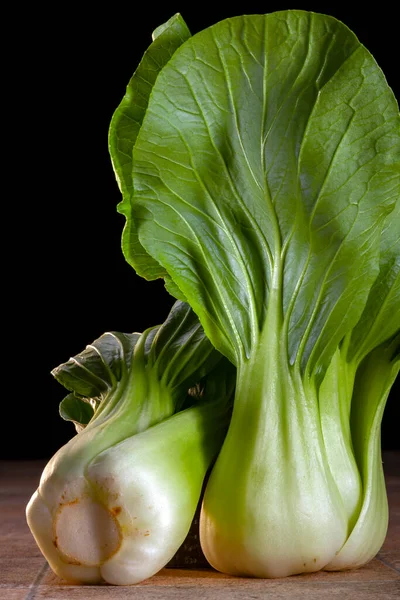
151, 409
259, 167
265, 172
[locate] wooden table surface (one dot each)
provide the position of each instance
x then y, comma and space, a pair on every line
24, 574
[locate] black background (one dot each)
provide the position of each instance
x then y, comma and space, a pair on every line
68, 279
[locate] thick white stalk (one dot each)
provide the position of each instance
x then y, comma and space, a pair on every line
271, 507
64, 507
334, 397
124, 518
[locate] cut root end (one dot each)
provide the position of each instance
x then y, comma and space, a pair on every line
86, 533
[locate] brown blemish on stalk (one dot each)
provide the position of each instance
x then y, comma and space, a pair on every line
315, 560
70, 503
116, 510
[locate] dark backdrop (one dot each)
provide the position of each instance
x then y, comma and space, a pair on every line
70, 282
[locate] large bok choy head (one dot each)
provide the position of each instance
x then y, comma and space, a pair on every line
264, 176
116, 502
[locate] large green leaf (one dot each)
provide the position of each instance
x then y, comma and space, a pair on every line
128, 117
266, 163
124, 128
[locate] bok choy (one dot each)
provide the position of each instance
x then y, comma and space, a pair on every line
259, 164
116, 502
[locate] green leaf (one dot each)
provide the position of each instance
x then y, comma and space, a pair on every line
265, 166
125, 126
380, 320
179, 351
128, 117
77, 410
97, 370
173, 356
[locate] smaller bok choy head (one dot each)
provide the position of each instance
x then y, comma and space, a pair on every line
151, 410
